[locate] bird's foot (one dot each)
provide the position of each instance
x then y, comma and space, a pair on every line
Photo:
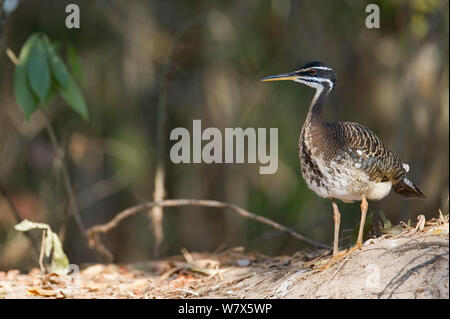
329, 262
359, 245
337, 257
350, 250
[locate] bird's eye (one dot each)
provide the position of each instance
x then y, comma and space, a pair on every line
312, 72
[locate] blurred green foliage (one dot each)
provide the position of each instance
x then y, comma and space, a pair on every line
40, 73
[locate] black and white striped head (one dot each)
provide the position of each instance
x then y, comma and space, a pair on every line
314, 74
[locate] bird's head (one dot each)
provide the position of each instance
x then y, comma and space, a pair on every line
314, 74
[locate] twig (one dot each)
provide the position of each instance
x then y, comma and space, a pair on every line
41, 255
156, 213
65, 175
94, 231
12, 56
63, 228
339, 269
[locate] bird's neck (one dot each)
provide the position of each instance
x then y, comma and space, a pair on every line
314, 116
314, 129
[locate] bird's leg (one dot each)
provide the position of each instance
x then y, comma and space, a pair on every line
364, 206
337, 222
337, 256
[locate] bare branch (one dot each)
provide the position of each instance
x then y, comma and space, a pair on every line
12, 56
65, 175
156, 213
94, 231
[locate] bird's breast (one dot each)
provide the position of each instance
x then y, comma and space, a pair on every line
338, 176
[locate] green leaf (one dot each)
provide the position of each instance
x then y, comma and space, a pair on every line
66, 85
74, 63
38, 70
26, 48
24, 96
50, 95
55, 44
72, 95
57, 66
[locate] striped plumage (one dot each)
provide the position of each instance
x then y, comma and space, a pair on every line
344, 160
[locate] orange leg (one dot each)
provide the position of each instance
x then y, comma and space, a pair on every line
337, 223
364, 206
337, 256
359, 243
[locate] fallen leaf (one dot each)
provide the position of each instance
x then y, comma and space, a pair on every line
61, 295
40, 292
52, 278
94, 287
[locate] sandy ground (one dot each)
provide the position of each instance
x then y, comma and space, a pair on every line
412, 264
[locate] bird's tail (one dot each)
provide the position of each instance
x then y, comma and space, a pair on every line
407, 189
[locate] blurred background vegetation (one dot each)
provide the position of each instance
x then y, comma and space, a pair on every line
393, 80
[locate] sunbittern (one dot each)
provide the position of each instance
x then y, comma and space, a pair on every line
344, 160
